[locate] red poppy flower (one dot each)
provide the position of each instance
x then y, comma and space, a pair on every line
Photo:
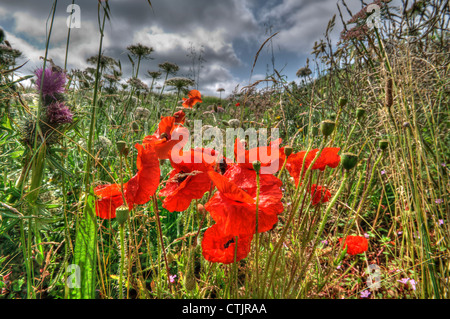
179, 117
110, 199
144, 184
188, 180
320, 194
137, 190
356, 244
233, 206
194, 98
329, 157
271, 157
218, 247
167, 136
238, 104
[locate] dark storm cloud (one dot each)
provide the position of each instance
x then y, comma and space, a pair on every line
230, 33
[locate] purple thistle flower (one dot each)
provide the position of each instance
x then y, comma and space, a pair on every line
411, 281
59, 113
413, 284
404, 281
54, 81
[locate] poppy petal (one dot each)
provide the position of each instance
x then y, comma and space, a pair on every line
221, 248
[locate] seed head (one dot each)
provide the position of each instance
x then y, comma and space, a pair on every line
383, 144
122, 215
360, 112
327, 127
349, 160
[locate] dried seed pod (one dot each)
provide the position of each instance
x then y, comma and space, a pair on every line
288, 150
122, 147
122, 215
349, 160
360, 112
383, 144
342, 101
257, 166
327, 127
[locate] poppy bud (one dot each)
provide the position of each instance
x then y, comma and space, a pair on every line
360, 112
349, 160
288, 150
215, 108
257, 166
342, 101
383, 144
135, 126
327, 127
225, 123
122, 215
121, 146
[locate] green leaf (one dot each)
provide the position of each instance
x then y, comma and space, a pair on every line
57, 164
85, 252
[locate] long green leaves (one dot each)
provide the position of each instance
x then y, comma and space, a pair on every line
85, 254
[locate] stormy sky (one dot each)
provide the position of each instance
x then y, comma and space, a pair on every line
229, 31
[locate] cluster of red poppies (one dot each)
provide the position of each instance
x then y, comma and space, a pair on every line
233, 206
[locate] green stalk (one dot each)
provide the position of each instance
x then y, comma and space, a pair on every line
122, 260
161, 239
86, 234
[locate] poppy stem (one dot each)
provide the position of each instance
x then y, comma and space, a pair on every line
256, 232
122, 260
155, 208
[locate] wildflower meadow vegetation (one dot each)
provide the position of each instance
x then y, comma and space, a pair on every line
332, 186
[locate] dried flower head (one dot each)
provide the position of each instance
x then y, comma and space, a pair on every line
141, 51
180, 82
303, 72
137, 84
169, 67
154, 74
